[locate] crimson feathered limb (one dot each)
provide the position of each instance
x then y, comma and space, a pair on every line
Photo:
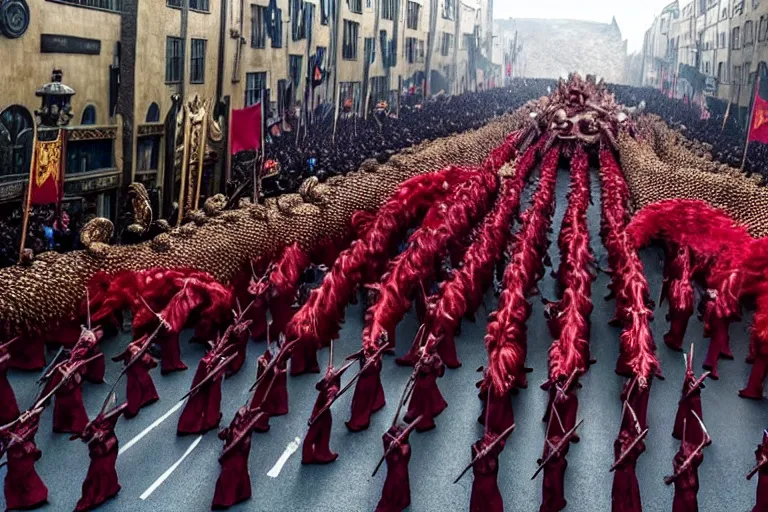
505, 340
463, 292
281, 287
318, 321
416, 265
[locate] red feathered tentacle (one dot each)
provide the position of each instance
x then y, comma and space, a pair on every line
462, 292
637, 355
569, 353
450, 220
284, 283
318, 320
505, 340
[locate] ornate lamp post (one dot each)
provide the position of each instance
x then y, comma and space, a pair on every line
56, 109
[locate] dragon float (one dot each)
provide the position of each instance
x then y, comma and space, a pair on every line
435, 226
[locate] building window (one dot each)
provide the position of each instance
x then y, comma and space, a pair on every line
446, 45
368, 4
414, 50
349, 47
706, 68
388, 9
148, 153
325, 11
724, 14
748, 36
745, 69
355, 6
153, 114
195, 5
197, 64
282, 96
107, 5
762, 29
301, 21
17, 142
89, 115
258, 26
254, 84
449, 9
414, 15
369, 50
721, 73
199, 5
735, 38
295, 70
722, 40
736, 73
277, 29
174, 49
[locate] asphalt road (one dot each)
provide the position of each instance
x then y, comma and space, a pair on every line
438, 456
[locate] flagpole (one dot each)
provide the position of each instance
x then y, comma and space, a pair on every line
755, 90
25, 223
258, 163
337, 108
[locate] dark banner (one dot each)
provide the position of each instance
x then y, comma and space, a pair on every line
52, 43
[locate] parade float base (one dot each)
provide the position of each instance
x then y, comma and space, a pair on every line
438, 456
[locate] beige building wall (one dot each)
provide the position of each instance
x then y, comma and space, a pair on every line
24, 69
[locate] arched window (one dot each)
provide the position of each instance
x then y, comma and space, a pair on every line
153, 113
16, 140
89, 115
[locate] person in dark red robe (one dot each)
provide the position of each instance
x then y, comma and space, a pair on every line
426, 399
234, 483
69, 414
553, 486
396, 494
238, 336
101, 482
687, 477
761, 454
566, 404
304, 357
9, 409
28, 354
486, 496
170, 353
140, 388
369, 393
276, 404
625, 494
88, 346
316, 448
23, 487
497, 408
202, 411
690, 403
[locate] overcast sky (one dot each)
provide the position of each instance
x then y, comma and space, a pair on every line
633, 16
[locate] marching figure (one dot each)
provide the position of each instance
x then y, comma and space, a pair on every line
690, 403
486, 496
23, 487
88, 346
203, 409
628, 447
426, 400
234, 483
761, 468
316, 448
69, 415
140, 388
275, 401
237, 335
9, 409
686, 466
396, 494
369, 393
679, 290
101, 482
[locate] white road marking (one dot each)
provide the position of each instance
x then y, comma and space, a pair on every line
170, 470
147, 430
289, 450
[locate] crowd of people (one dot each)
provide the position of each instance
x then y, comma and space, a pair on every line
317, 152
727, 139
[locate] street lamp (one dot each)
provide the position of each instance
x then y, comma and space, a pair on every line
56, 108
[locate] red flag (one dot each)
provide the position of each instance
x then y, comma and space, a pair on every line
758, 131
47, 183
246, 129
